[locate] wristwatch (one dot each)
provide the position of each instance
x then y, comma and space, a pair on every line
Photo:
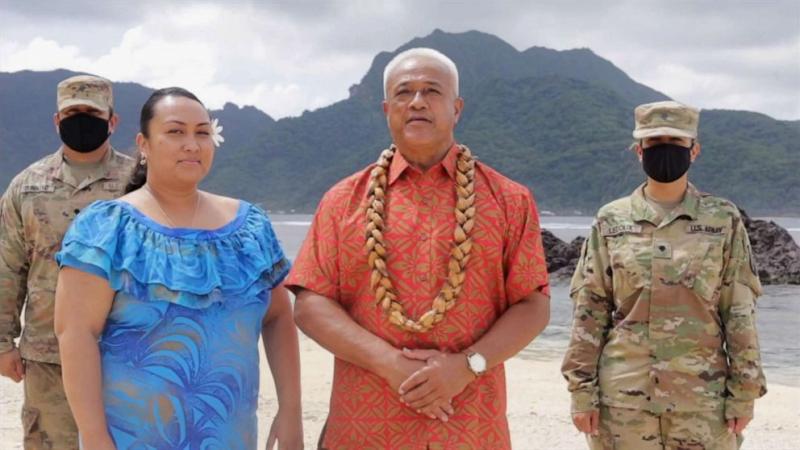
476, 363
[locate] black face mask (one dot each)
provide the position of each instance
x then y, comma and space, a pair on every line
666, 163
83, 133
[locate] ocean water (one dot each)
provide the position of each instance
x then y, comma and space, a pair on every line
778, 317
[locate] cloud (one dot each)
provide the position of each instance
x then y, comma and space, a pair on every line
255, 59
286, 57
39, 54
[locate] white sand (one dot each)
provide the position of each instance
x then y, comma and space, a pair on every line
538, 407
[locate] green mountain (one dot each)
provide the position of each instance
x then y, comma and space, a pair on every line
557, 121
29, 101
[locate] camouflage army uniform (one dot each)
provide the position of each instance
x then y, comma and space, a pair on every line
35, 212
664, 320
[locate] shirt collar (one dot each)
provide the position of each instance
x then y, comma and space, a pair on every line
688, 206
642, 210
105, 170
399, 164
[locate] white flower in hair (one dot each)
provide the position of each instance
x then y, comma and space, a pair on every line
216, 133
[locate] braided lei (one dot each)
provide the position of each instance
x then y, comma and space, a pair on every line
381, 284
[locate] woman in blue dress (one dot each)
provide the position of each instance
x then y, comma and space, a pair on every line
162, 297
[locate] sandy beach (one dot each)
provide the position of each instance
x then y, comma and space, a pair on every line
538, 408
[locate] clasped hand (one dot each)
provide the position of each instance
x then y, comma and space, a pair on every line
427, 381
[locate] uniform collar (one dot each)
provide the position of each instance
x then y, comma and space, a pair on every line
105, 170
642, 210
399, 164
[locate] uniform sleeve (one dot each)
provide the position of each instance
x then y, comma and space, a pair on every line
737, 306
591, 293
14, 266
524, 261
316, 267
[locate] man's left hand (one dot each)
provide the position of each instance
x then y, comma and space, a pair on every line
444, 376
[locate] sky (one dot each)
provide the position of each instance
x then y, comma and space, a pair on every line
285, 57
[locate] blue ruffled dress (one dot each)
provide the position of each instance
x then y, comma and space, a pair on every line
180, 347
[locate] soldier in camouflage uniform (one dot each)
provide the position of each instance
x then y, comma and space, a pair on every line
35, 212
664, 351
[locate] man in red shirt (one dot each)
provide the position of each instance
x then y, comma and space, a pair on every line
422, 274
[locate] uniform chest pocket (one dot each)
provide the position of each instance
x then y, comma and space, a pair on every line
701, 263
629, 257
45, 219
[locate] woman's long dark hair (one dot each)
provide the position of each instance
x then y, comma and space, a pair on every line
138, 176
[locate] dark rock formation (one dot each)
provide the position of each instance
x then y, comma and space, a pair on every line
777, 254
561, 256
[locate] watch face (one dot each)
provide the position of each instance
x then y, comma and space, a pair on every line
477, 362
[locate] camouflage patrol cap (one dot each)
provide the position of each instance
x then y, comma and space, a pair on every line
666, 119
86, 90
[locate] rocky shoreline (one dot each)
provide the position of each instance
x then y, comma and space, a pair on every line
777, 255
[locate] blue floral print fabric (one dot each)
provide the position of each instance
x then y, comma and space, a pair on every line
179, 349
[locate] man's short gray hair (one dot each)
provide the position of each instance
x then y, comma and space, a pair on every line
422, 52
